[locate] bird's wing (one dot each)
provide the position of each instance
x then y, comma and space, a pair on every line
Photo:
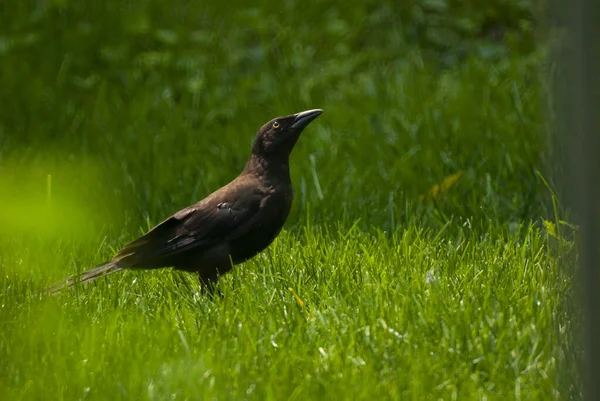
225, 215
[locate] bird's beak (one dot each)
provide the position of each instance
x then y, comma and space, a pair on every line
304, 118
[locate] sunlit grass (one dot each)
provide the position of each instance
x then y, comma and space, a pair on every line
369, 316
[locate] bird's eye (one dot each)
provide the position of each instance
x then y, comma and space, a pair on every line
276, 124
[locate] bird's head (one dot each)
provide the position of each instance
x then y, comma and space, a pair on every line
277, 138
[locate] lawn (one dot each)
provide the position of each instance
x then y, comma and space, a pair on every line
422, 258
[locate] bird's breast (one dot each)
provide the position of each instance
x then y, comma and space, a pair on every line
273, 213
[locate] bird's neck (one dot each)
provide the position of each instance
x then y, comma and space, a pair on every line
268, 168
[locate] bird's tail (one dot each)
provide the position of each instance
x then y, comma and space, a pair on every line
85, 277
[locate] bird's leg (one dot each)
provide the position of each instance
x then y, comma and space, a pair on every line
208, 284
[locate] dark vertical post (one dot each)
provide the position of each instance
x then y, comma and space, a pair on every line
585, 41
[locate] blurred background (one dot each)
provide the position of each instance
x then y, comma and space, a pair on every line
138, 108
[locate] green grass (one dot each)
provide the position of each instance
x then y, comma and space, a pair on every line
137, 111
409, 316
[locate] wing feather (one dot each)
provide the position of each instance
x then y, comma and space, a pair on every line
221, 217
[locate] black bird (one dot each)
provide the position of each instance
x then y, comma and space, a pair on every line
229, 226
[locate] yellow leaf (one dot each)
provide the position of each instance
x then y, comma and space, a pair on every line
300, 301
443, 187
550, 228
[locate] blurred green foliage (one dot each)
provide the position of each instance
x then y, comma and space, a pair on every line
165, 99
59, 56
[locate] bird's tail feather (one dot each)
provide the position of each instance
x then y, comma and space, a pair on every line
85, 277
